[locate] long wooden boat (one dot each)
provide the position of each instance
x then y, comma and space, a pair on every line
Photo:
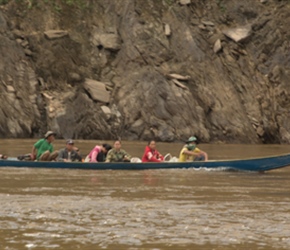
253, 164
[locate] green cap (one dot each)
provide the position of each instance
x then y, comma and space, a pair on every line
191, 139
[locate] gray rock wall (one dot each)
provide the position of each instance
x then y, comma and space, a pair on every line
137, 70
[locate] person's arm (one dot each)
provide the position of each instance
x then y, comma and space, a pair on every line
61, 155
188, 152
109, 156
126, 157
160, 156
201, 153
77, 156
33, 153
197, 152
35, 148
152, 158
205, 155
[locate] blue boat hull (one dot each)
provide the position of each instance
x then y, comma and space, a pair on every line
254, 164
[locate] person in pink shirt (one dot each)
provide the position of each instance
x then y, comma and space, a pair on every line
151, 154
98, 153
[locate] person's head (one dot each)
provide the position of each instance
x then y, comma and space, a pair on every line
191, 143
152, 144
117, 145
50, 136
69, 144
106, 147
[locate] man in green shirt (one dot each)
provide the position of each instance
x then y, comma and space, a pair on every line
43, 150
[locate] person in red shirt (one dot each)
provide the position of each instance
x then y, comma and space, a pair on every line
151, 154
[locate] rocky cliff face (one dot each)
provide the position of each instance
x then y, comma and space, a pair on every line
217, 69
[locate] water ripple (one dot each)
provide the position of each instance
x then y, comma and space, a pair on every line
125, 210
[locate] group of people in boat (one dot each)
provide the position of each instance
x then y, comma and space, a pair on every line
43, 150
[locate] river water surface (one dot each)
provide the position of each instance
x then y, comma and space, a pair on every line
156, 209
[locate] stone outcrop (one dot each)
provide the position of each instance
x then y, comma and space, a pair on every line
217, 46
239, 34
107, 41
55, 34
97, 90
137, 70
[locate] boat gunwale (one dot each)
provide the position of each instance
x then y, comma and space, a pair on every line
258, 164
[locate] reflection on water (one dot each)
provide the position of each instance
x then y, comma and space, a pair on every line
156, 209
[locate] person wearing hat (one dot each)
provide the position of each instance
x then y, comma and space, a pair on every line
69, 153
43, 150
191, 153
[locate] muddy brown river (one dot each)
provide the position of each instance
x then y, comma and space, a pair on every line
153, 210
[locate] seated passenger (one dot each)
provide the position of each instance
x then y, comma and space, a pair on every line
98, 153
191, 153
43, 150
151, 154
69, 153
3, 157
116, 154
